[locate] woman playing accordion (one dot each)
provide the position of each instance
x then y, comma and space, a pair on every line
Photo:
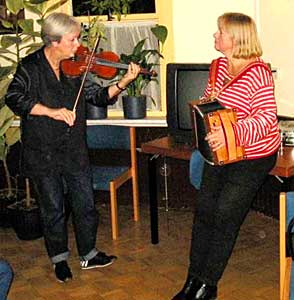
227, 190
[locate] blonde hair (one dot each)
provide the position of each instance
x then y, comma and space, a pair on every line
243, 30
56, 25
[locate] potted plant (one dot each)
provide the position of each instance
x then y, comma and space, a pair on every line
25, 216
134, 102
109, 7
89, 34
21, 40
8, 137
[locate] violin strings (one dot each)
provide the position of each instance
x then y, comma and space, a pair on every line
108, 63
86, 72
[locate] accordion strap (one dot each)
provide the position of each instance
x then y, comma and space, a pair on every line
213, 75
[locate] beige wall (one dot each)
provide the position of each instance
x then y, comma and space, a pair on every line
194, 22
277, 23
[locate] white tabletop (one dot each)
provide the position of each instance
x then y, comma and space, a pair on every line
120, 121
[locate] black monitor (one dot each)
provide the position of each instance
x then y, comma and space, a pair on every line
185, 82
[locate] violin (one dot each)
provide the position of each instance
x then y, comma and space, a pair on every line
104, 64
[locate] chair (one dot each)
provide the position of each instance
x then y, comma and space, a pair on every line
286, 264
111, 177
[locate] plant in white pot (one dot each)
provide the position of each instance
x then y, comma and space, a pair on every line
134, 102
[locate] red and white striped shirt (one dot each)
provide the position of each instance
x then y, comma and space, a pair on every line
252, 95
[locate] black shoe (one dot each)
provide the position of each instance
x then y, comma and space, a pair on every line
62, 271
99, 261
206, 292
188, 292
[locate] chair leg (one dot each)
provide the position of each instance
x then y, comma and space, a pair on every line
113, 209
282, 243
285, 262
287, 280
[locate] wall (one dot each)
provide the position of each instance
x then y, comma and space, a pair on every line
277, 23
194, 22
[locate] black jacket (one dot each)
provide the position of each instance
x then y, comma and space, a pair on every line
47, 143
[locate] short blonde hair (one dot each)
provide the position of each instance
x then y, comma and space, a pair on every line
243, 30
56, 25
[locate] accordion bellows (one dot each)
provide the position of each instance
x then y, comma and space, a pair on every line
207, 113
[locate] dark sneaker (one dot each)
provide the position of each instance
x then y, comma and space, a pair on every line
99, 261
62, 271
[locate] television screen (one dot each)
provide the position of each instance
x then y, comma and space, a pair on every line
185, 82
190, 86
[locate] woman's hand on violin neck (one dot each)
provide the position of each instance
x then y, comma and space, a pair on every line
132, 74
62, 114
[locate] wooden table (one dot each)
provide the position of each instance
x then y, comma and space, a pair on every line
285, 163
167, 147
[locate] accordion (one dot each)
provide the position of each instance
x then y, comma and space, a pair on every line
205, 114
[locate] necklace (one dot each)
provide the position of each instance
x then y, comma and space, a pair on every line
54, 63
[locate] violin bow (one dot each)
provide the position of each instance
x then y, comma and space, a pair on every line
86, 72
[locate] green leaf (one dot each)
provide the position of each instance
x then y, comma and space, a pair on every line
26, 25
33, 47
6, 119
38, 1
7, 24
160, 32
5, 71
54, 6
8, 59
36, 9
2, 148
4, 83
3, 50
12, 135
9, 40
30, 36
138, 48
14, 6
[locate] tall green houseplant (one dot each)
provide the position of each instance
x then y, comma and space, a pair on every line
21, 40
8, 137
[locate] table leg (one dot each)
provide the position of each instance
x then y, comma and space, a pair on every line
153, 202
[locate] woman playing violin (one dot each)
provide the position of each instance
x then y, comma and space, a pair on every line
54, 151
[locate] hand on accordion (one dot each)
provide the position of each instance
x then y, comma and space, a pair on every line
216, 138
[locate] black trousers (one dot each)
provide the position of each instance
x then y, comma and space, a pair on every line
222, 204
50, 188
